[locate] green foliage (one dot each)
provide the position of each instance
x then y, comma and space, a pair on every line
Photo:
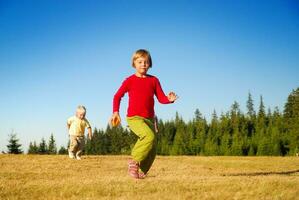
13, 145
233, 133
43, 149
52, 149
33, 148
62, 150
116, 140
250, 107
291, 121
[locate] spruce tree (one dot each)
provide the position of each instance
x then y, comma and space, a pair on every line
52, 149
198, 115
226, 143
236, 147
212, 143
190, 138
261, 123
276, 143
30, 149
33, 148
226, 140
178, 147
262, 112
13, 145
252, 151
250, 107
291, 121
168, 136
43, 149
62, 150
200, 127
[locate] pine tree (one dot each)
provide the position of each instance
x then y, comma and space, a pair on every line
264, 147
212, 143
251, 151
291, 121
190, 138
52, 149
236, 147
250, 107
198, 115
181, 139
179, 146
13, 145
260, 126
200, 128
226, 140
277, 118
62, 150
168, 134
251, 117
43, 149
33, 148
277, 148
226, 143
261, 113
100, 143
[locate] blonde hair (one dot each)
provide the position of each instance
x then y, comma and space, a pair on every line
81, 108
144, 54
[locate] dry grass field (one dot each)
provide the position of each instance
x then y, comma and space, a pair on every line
185, 177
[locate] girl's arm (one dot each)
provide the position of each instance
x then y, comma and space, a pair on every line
118, 95
162, 98
116, 102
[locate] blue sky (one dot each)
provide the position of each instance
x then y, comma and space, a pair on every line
55, 55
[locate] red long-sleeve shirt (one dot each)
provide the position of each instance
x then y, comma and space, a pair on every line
141, 95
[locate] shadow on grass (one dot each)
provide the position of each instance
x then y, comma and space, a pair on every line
263, 173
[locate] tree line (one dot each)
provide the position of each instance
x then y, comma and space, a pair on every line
261, 132
14, 147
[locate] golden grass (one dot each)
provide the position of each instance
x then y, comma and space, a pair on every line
185, 177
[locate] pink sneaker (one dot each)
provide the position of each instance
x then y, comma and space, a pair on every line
141, 175
133, 168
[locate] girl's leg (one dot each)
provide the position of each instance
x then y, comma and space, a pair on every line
144, 150
146, 164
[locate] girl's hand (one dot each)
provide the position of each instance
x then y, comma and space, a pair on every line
172, 97
115, 119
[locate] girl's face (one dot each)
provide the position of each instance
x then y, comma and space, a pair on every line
141, 65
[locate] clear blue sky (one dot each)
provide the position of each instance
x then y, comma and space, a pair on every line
56, 54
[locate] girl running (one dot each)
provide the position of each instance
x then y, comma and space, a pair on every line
141, 88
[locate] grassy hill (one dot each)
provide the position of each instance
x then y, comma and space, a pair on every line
185, 177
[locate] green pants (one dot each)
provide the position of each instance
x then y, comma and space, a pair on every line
144, 150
